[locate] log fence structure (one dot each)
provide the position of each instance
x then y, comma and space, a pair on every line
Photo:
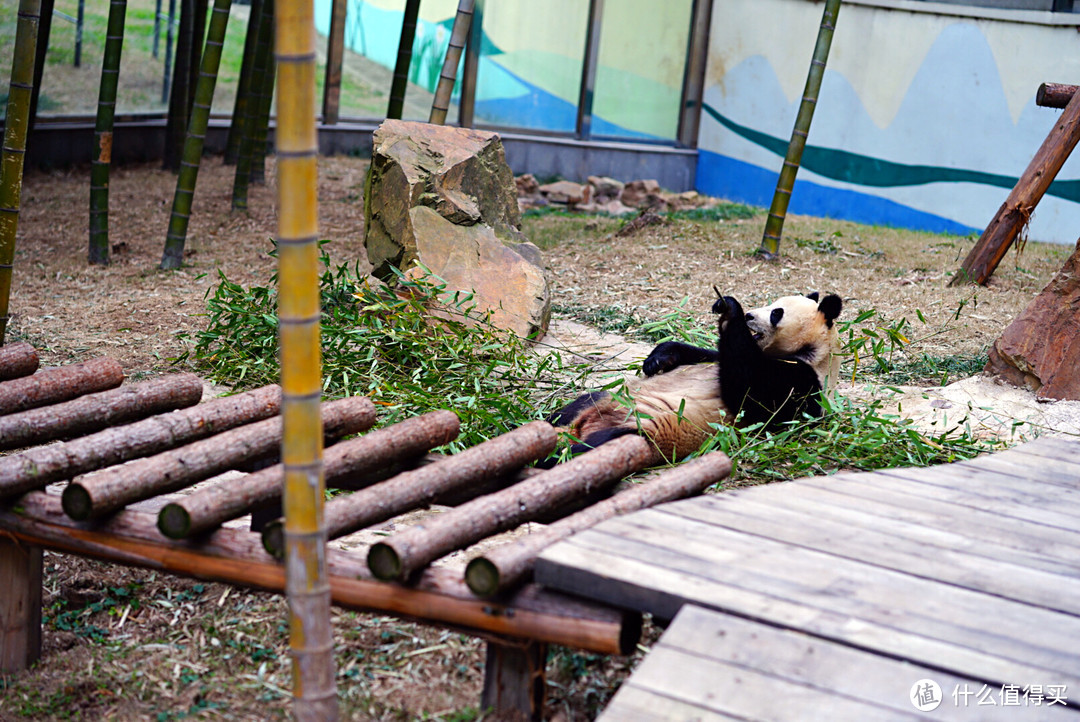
127, 499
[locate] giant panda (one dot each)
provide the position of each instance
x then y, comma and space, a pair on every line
770, 363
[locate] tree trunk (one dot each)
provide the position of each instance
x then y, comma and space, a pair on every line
173, 254
62, 383
496, 457
36, 468
105, 491
94, 412
508, 565
1015, 212
17, 360
354, 461
20, 89
398, 556
101, 158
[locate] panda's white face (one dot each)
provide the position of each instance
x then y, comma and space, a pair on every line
801, 327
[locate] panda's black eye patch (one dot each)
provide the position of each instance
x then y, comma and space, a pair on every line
776, 315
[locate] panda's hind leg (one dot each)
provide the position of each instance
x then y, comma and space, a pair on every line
567, 415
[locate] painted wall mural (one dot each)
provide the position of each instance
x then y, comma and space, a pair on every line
924, 120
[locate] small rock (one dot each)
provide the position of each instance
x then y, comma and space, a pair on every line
566, 192
636, 193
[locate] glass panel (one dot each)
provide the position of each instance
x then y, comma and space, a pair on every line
640, 74
530, 64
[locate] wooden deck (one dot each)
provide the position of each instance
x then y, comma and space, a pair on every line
830, 597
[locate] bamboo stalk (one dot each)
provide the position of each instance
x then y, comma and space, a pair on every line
243, 84
398, 556
94, 412
36, 468
448, 76
181, 94
354, 461
101, 157
335, 56
105, 491
259, 145
262, 63
234, 557
504, 567
58, 384
20, 89
493, 458
311, 640
400, 82
176, 236
17, 360
774, 225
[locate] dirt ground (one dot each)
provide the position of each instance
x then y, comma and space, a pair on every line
132, 644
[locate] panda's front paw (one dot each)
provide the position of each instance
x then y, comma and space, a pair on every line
726, 307
663, 358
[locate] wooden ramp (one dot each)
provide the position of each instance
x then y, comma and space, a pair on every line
830, 597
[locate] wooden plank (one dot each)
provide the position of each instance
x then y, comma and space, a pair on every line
1054, 447
20, 604
1035, 545
1063, 475
993, 483
952, 559
632, 704
905, 617
884, 487
514, 682
747, 693
803, 659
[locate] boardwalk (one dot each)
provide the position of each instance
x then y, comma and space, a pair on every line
830, 598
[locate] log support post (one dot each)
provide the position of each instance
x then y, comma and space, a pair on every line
20, 604
514, 679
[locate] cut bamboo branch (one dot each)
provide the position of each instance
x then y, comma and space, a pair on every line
509, 565
1054, 95
105, 491
355, 461
445, 88
398, 556
94, 412
36, 468
17, 360
496, 457
51, 386
234, 557
1015, 212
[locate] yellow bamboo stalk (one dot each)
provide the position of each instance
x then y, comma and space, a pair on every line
307, 587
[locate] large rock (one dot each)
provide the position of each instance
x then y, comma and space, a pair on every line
1041, 348
431, 187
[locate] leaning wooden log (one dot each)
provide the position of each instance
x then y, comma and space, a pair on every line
398, 556
38, 467
507, 566
1016, 211
493, 458
1054, 95
233, 556
356, 461
105, 491
51, 386
17, 360
94, 412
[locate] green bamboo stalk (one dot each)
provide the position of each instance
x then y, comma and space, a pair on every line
400, 81
262, 64
306, 580
180, 92
101, 158
774, 225
196, 137
243, 84
448, 77
20, 90
262, 128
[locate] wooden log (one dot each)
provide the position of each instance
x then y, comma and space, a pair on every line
398, 556
235, 557
1015, 212
508, 565
385, 500
36, 468
17, 360
51, 386
1054, 95
94, 412
356, 461
20, 604
105, 491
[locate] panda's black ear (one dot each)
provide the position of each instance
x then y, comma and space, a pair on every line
830, 307
813, 296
